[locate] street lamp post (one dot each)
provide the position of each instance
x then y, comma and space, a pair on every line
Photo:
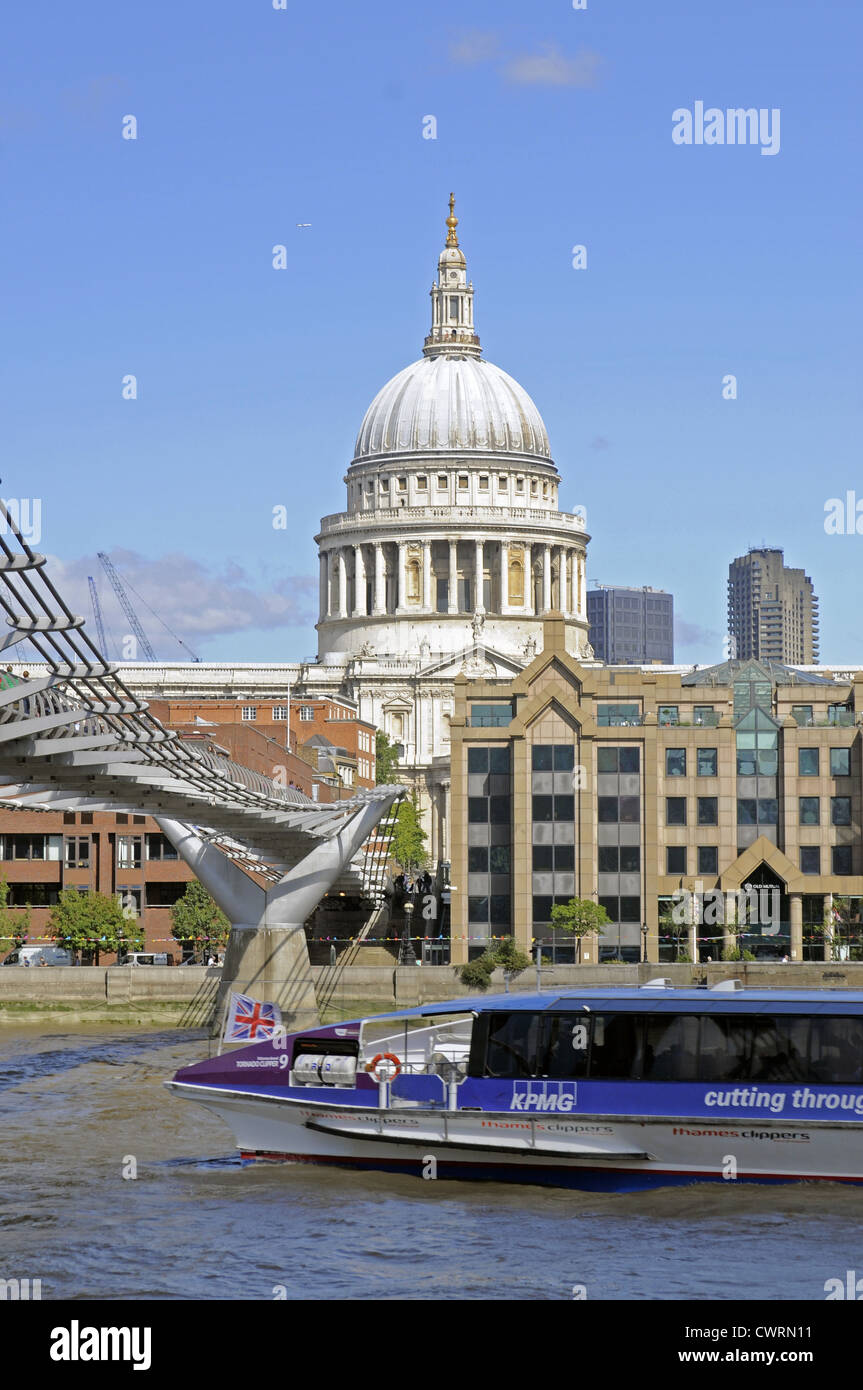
407, 956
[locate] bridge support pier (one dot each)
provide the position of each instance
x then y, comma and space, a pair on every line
267, 955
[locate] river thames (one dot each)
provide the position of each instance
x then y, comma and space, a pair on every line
77, 1106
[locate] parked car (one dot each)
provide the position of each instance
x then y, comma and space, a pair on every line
40, 955
146, 958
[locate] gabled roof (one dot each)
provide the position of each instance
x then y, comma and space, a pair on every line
727, 672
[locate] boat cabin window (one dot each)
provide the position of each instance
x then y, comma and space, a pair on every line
669, 1047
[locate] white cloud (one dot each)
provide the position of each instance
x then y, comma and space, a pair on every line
475, 46
195, 600
551, 68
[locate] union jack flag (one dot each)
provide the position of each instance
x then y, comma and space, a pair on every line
249, 1020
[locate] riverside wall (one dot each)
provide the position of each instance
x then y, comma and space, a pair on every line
186, 996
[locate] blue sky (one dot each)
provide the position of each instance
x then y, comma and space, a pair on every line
154, 257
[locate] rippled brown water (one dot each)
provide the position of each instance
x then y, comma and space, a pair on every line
199, 1224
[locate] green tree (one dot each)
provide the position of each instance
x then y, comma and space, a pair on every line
93, 922
14, 922
678, 931
505, 954
386, 760
581, 917
197, 919
409, 838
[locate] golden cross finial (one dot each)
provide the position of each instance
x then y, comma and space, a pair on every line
452, 223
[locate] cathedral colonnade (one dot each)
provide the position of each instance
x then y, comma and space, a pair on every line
416, 575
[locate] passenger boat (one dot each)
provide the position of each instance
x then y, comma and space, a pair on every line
604, 1089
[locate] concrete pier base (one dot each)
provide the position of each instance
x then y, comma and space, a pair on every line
269, 963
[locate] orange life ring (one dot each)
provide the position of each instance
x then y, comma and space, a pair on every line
384, 1057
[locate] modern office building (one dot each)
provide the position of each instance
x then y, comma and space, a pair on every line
772, 610
655, 793
631, 626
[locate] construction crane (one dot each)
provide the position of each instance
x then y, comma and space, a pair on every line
126, 605
97, 615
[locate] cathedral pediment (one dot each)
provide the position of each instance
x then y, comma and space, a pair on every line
479, 660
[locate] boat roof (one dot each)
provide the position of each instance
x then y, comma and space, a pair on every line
649, 998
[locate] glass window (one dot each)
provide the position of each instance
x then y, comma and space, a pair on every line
499, 859
564, 808
498, 809
477, 809
706, 759
617, 714
616, 1046
608, 859
612, 907
840, 762
667, 714
708, 810
564, 757
543, 808
630, 810
807, 762
671, 1048
840, 810
511, 1045
606, 759
810, 859
675, 859
708, 859
564, 857
249, 712
768, 810
630, 759
747, 811
630, 859
836, 1051
542, 757
477, 759
543, 858
607, 809
564, 1049
128, 852
477, 909
675, 762
803, 714
500, 910
841, 859
477, 859
630, 909
498, 759
810, 813
703, 714
675, 810
542, 906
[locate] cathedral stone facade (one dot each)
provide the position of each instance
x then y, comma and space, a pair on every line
452, 548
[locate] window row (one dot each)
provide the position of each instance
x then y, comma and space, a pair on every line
707, 812
840, 859
823, 1050
809, 762
707, 859
810, 810
706, 762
